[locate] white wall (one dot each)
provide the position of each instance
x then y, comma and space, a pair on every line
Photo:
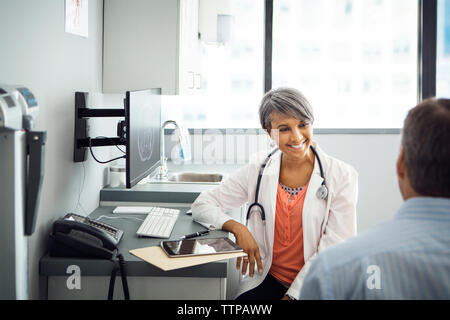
36, 52
374, 157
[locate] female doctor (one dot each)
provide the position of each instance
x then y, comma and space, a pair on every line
306, 202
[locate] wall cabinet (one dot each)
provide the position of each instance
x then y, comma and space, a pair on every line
151, 43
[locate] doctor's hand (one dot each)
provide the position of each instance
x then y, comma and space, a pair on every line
245, 240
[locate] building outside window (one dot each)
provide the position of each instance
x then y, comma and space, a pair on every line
356, 61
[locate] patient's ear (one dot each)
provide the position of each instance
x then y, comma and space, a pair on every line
401, 171
401, 175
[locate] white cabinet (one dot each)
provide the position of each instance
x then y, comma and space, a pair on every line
190, 80
151, 43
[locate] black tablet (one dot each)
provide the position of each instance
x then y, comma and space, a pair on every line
197, 247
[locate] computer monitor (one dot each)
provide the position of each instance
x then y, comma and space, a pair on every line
143, 130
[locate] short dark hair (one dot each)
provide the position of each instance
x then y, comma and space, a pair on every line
426, 146
287, 101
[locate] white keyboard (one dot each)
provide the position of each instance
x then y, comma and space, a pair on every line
159, 223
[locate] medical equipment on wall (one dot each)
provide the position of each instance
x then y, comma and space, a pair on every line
18, 110
322, 192
18, 107
21, 176
10, 112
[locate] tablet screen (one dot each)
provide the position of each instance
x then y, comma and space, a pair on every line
189, 247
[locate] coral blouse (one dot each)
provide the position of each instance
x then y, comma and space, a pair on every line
288, 257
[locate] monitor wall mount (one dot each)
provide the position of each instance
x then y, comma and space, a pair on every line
81, 138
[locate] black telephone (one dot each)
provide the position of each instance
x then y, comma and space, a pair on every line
77, 236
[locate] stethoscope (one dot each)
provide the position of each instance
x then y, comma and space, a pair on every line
322, 192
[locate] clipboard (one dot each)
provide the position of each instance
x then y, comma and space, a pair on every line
157, 257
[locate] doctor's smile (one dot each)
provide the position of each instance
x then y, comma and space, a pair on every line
292, 135
298, 205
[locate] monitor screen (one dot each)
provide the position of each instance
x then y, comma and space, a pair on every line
143, 125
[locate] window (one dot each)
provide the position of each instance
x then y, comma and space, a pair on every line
355, 61
443, 49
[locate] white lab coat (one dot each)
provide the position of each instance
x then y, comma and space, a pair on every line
325, 222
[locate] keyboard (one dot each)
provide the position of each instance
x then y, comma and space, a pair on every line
159, 223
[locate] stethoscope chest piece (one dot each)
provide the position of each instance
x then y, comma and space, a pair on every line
322, 192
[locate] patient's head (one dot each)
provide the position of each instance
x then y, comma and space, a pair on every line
423, 166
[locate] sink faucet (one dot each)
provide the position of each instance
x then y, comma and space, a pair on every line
162, 174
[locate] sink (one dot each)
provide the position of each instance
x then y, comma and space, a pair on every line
191, 177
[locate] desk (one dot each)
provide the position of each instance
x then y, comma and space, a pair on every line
145, 281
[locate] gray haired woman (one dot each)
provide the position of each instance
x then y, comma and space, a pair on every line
299, 220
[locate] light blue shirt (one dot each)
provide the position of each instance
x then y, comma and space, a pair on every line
407, 257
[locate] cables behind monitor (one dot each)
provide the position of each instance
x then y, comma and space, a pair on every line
108, 161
